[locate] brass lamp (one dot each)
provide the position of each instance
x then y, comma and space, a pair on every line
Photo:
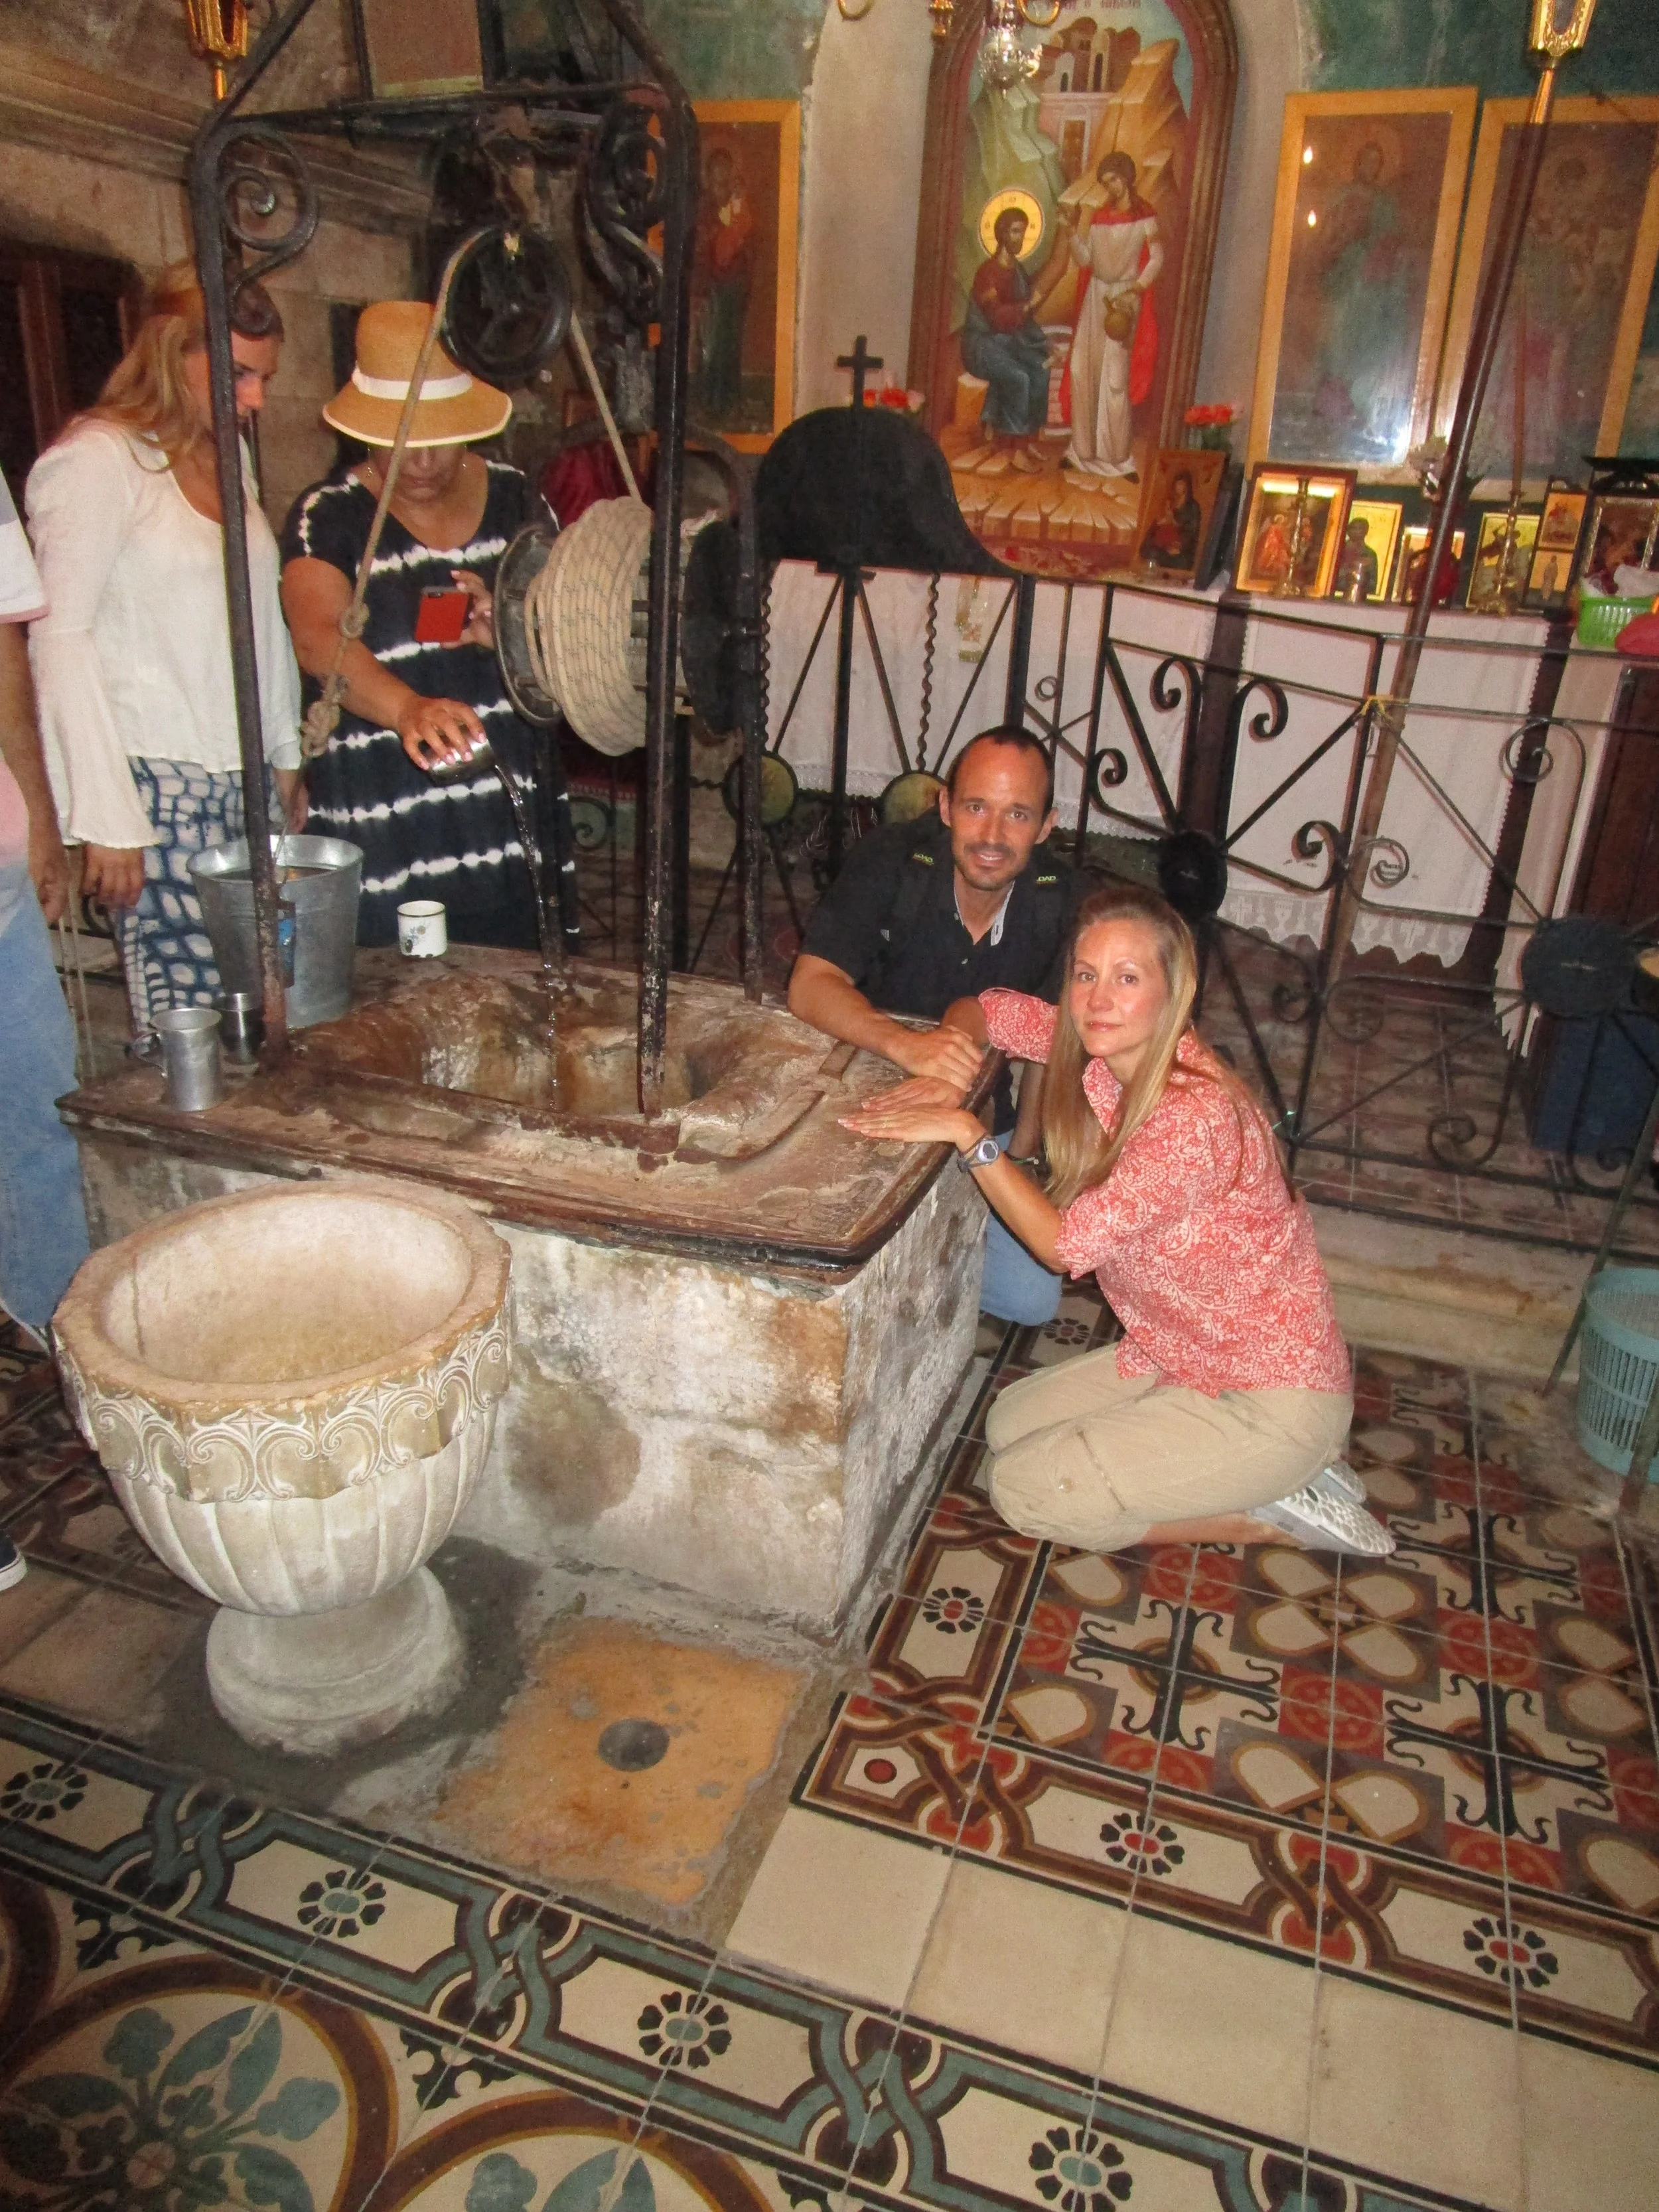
1559, 27
1002, 31
218, 36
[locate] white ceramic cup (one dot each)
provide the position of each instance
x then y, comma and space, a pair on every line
423, 928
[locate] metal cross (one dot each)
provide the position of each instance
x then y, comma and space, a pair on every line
860, 360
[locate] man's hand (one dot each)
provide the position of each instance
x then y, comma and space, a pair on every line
945, 1055
114, 874
48, 868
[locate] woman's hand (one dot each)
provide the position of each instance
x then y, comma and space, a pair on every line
925, 1093
296, 803
480, 621
114, 873
897, 1117
433, 731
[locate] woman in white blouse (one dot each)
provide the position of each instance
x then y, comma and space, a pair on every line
133, 664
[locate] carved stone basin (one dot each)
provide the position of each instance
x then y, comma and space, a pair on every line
294, 1392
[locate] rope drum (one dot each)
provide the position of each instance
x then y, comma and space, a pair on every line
578, 640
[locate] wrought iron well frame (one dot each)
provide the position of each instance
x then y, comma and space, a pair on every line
639, 118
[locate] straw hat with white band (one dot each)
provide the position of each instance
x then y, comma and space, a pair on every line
454, 408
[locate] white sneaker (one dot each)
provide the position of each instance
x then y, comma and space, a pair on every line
1340, 1480
1326, 1521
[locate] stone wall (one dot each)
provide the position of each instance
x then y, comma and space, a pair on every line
748, 1438
94, 135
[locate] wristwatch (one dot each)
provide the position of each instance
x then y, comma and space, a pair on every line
980, 1155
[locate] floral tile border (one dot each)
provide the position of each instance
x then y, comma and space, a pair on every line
478, 2030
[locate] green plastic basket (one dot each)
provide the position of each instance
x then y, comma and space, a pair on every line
1600, 621
1618, 1360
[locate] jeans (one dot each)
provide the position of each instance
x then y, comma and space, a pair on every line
1016, 1287
43, 1223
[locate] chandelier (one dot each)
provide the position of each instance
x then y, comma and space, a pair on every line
1003, 61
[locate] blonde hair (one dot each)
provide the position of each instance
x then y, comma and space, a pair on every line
145, 393
1081, 1154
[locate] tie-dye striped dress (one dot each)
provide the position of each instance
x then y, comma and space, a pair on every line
421, 838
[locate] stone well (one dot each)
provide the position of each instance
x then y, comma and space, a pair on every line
738, 1329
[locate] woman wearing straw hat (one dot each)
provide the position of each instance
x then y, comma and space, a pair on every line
416, 693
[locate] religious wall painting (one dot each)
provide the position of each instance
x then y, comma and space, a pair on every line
1063, 268
1365, 216
1622, 532
1577, 309
1503, 558
1294, 525
1182, 486
1549, 574
743, 270
1411, 564
1366, 559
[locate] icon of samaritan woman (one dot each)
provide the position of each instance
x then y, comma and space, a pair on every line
1115, 347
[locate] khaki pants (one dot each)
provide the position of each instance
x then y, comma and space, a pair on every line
1084, 1455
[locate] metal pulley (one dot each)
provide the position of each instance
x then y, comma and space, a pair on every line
508, 306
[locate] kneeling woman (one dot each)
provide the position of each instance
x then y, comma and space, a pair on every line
1221, 1415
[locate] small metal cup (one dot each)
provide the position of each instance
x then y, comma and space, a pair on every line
186, 1040
454, 766
241, 1027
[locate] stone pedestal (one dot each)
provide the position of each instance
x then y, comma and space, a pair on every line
316, 1684
294, 1391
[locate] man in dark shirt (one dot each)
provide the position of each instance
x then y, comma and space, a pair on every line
928, 912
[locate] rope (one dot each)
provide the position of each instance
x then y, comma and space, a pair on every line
578, 338
585, 623
69, 961
323, 716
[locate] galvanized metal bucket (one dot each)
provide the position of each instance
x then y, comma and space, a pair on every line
325, 919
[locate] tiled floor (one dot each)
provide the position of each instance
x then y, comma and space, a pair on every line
1186, 1878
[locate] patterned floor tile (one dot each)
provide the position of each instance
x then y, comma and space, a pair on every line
944, 1651
76, 1525
968, 1567
26, 1376
36, 1451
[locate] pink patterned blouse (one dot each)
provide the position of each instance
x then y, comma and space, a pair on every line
1201, 1251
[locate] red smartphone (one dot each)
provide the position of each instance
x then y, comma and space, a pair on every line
444, 612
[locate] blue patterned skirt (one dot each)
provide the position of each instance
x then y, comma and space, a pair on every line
166, 953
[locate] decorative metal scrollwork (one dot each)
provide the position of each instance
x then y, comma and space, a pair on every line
255, 196
1526, 757
590, 822
1356, 1010
1453, 1137
621, 201
1270, 721
1112, 769
1381, 860
1166, 696
1320, 840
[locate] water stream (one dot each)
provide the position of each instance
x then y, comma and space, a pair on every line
520, 800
